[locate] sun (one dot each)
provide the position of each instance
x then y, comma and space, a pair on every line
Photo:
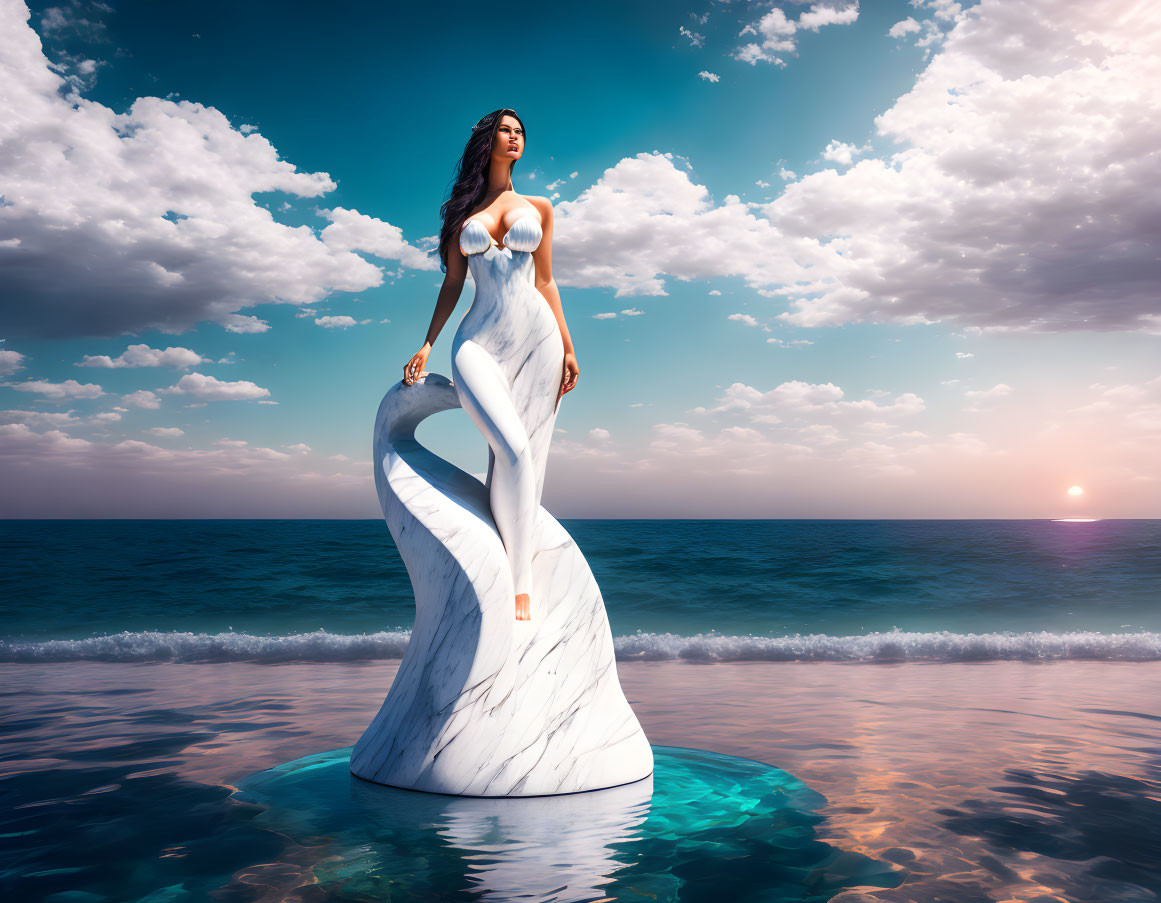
1075, 490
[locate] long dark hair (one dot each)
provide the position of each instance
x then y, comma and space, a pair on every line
471, 179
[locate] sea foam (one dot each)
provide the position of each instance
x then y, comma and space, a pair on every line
887, 646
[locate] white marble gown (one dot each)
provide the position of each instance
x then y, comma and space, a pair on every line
507, 364
483, 704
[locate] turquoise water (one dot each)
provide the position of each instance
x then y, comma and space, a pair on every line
176, 699
702, 826
229, 590
224, 783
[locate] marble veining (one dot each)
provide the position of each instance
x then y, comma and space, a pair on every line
483, 704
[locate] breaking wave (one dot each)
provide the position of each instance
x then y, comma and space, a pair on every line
888, 646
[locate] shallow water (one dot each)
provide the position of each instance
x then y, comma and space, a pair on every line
702, 821
988, 781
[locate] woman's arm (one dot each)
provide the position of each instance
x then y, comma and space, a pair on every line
542, 256
449, 295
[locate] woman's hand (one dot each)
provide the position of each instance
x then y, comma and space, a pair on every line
569, 375
413, 369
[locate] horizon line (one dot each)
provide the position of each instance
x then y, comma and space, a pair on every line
1049, 519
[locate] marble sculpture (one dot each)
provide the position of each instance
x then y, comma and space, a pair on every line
484, 704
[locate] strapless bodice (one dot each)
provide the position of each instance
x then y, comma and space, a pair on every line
525, 235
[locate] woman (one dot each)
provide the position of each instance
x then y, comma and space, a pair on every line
512, 356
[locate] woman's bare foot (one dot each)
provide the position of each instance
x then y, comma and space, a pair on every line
523, 607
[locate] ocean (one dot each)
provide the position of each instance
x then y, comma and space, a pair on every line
717, 590
847, 711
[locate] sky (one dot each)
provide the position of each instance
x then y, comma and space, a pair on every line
818, 260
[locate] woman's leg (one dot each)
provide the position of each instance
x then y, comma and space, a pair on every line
483, 391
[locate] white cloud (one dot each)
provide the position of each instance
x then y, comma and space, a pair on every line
803, 450
931, 31
904, 27
144, 356
743, 318
979, 397
799, 398
1136, 407
820, 434
335, 322
608, 315
10, 362
69, 388
943, 9
709, 76
842, 153
679, 437
244, 324
598, 434
963, 355
631, 312
57, 419
166, 431
351, 230
57, 20
997, 391
209, 388
1024, 195
142, 398
825, 14
63, 476
644, 217
123, 222
776, 31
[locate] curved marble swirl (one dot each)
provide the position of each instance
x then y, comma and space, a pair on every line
483, 704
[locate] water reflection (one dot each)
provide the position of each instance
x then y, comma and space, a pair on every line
1091, 818
566, 845
703, 822
997, 781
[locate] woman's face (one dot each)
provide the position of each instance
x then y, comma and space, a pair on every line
509, 139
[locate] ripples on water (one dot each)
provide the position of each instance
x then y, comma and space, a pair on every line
990, 781
995, 764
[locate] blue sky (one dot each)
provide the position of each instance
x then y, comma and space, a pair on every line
875, 261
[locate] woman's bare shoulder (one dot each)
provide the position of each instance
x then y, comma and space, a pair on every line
543, 205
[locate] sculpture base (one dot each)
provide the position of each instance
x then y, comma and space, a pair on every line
703, 824
485, 705
482, 704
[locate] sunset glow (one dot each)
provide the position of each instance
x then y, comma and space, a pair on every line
211, 335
